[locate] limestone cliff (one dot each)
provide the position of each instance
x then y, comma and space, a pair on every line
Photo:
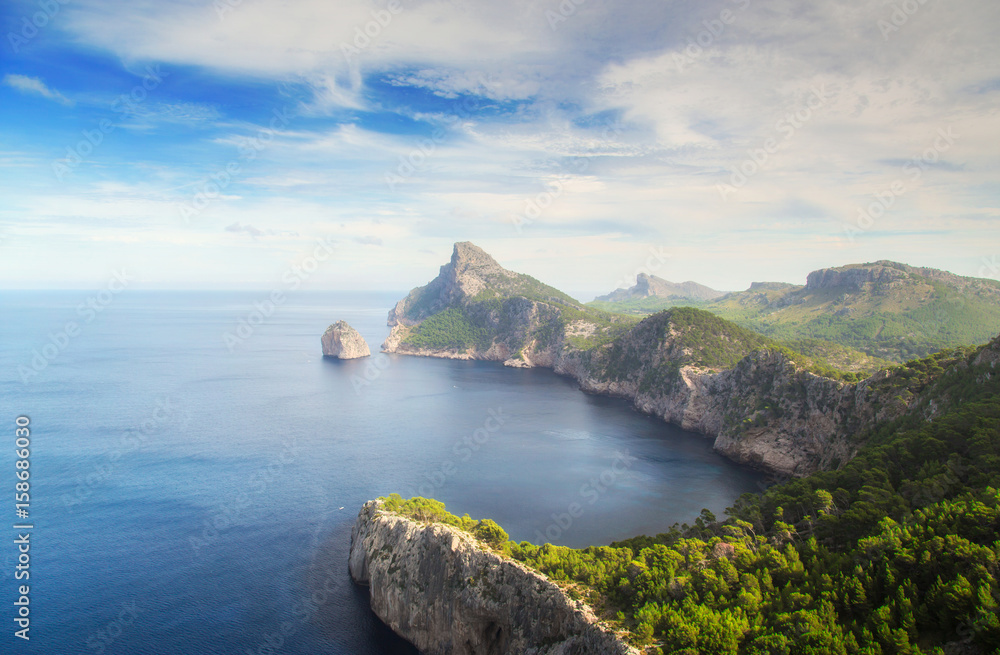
759, 401
439, 588
476, 309
343, 342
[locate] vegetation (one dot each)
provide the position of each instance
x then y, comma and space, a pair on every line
645, 306
428, 510
493, 316
661, 344
449, 329
896, 552
920, 313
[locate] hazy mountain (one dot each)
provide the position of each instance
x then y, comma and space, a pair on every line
648, 286
888, 310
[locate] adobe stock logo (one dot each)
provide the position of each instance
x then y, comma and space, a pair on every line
591, 491
788, 125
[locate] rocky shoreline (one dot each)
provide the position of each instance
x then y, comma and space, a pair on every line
767, 411
440, 589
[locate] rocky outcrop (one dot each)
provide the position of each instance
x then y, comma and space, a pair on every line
517, 310
439, 588
647, 286
344, 342
761, 407
875, 278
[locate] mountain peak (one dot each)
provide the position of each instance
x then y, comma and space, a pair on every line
472, 270
470, 273
647, 286
467, 256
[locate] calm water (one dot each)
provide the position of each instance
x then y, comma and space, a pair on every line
189, 498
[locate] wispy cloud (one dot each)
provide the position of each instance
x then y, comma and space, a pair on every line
35, 86
239, 228
613, 125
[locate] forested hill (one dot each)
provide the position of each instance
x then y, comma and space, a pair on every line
763, 403
896, 552
885, 309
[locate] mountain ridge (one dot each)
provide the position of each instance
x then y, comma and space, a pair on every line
764, 404
647, 286
885, 309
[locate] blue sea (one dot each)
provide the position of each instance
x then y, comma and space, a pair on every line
193, 492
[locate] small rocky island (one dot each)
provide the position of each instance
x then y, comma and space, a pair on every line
448, 594
344, 342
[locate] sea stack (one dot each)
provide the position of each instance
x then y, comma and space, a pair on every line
344, 342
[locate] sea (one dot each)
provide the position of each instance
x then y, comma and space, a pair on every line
195, 467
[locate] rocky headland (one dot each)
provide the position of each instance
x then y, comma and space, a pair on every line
448, 594
763, 405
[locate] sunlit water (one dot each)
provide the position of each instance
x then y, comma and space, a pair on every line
191, 498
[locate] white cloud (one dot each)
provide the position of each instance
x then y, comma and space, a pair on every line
33, 85
682, 129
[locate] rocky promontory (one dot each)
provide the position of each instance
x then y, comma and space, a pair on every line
344, 342
448, 594
763, 404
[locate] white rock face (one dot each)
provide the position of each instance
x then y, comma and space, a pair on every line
344, 342
767, 411
437, 587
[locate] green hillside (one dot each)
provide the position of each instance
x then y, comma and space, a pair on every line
886, 310
696, 338
896, 552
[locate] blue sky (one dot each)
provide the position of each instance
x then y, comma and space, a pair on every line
211, 144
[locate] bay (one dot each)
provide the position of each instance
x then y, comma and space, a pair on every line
193, 493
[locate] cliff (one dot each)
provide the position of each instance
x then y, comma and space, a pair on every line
858, 315
476, 309
439, 588
763, 404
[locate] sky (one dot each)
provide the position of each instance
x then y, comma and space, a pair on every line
347, 144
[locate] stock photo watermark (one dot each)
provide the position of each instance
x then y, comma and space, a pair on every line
911, 173
22, 544
100, 640
706, 38
60, 340
31, 26
265, 308
654, 262
416, 160
990, 268
373, 371
787, 126
124, 104
591, 492
128, 442
562, 13
536, 206
231, 513
213, 187
365, 35
900, 16
463, 450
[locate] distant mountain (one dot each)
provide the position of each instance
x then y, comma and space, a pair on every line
647, 286
887, 310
